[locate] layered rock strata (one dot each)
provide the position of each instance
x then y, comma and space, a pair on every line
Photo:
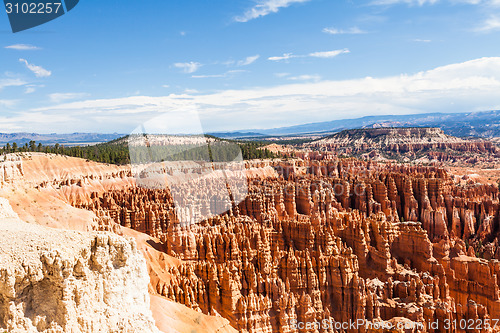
337, 240
404, 144
64, 281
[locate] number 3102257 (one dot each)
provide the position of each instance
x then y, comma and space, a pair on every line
33, 8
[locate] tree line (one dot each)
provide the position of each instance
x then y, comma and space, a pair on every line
117, 151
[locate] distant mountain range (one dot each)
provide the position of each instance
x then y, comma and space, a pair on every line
50, 139
484, 124
477, 124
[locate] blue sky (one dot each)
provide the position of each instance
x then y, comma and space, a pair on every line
108, 66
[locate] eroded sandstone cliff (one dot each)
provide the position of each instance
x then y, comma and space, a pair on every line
337, 240
40, 188
421, 144
66, 281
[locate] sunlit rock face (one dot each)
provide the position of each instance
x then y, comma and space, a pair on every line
11, 168
66, 281
337, 240
421, 144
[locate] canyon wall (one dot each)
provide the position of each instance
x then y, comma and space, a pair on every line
57, 281
339, 240
66, 281
334, 240
404, 144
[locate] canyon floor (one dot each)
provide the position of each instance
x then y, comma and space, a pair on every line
308, 243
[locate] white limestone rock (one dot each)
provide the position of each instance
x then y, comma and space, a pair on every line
67, 281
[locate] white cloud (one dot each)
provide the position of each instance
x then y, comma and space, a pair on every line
36, 121
490, 24
62, 97
432, 2
31, 88
305, 77
351, 31
248, 60
22, 47
408, 2
230, 62
244, 62
226, 74
265, 7
285, 56
11, 83
418, 40
322, 54
188, 67
165, 86
328, 54
461, 87
7, 102
206, 76
281, 74
39, 71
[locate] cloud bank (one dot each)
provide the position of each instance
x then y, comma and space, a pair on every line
462, 87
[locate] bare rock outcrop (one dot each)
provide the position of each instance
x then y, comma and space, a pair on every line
338, 240
422, 144
11, 168
65, 281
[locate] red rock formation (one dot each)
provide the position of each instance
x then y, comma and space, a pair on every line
424, 144
336, 240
